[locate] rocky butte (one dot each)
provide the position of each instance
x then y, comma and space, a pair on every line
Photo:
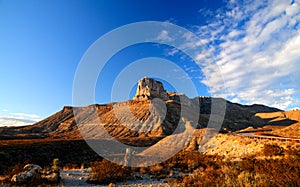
149, 88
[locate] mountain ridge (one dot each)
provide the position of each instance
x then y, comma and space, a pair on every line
63, 125
153, 114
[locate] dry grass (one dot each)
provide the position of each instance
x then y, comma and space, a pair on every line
272, 150
42, 152
248, 172
106, 172
71, 166
192, 168
35, 181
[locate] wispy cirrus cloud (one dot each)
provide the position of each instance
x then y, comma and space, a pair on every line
256, 46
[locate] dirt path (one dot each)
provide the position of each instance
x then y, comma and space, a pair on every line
78, 178
75, 177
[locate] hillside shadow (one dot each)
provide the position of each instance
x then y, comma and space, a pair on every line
284, 122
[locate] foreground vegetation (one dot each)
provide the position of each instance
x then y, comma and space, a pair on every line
275, 166
272, 171
42, 153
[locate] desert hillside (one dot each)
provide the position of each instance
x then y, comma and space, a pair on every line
153, 118
142, 117
284, 123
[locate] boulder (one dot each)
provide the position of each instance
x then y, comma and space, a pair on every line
30, 171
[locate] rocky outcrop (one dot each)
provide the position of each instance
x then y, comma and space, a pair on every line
30, 171
149, 88
35, 173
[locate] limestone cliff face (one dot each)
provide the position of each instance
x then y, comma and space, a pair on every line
149, 88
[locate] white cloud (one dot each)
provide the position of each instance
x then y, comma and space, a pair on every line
164, 36
24, 115
256, 46
9, 121
17, 118
173, 52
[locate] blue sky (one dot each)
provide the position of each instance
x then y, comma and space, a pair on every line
254, 44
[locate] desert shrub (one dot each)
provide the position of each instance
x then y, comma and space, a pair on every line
230, 172
213, 171
247, 179
272, 150
242, 179
203, 178
284, 172
105, 172
205, 170
292, 152
143, 170
247, 164
156, 168
273, 172
18, 168
42, 153
187, 161
55, 166
292, 143
15, 169
70, 166
158, 171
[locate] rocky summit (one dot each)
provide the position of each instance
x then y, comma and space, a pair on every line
149, 88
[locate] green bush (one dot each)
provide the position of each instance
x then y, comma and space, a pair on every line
55, 166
